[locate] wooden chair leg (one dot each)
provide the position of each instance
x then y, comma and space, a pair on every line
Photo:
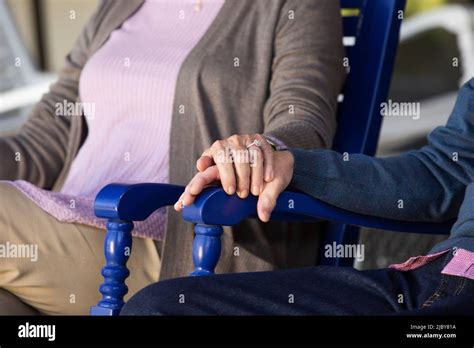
206, 249
117, 248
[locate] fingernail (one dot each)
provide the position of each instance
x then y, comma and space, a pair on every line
231, 190
243, 193
255, 190
265, 216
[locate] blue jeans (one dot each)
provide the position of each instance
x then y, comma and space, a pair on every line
320, 290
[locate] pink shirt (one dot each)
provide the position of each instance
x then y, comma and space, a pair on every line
461, 265
127, 89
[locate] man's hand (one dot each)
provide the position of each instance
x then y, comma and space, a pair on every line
282, 172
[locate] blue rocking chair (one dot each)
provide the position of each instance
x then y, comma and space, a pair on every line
371, 29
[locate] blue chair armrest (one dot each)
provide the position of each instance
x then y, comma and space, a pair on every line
123, 204
134, 202
215, 207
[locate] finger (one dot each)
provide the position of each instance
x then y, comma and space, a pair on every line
185, 199
210, 151
179, 205
203, 179
227, 175
242, 171
267, 158
256, 167
241, 161
195, 187
207, 157
204, 162
268, 198
222, 156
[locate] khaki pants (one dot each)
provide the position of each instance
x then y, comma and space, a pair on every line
65, 278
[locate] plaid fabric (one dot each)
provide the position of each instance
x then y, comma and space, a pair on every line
461, 265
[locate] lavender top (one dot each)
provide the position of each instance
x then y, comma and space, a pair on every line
127, 89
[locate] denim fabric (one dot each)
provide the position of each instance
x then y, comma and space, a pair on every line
322, 290
463, 230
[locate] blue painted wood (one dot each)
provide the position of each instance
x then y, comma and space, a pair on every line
121, 204
215, 207
117, 248
134, 202
206, 249
352, 3
367, 86
368, 83
351, 25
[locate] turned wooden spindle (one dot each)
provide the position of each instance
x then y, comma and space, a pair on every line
206, 249
117, 248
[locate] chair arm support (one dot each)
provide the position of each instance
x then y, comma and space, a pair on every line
123, 204
134, 202
215, 207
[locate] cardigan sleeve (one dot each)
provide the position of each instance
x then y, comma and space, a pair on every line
307, 74
423, 185
36, 153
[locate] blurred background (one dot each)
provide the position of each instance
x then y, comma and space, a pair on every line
435, 57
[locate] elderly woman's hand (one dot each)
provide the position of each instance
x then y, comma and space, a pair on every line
213, 166
245, 162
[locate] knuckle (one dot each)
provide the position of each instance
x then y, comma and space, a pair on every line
223, 143
240, 147
268, 154
234, 138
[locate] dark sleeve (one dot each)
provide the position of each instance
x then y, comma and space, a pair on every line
37, 152
423, 185
307, 74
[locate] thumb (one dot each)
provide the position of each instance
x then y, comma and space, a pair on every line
268, 198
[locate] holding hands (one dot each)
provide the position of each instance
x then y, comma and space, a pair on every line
244, 164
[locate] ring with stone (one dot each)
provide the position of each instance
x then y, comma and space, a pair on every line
256, 143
